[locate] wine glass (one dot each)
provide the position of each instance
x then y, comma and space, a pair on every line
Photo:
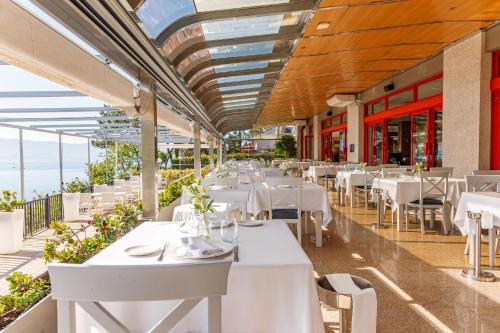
229, 230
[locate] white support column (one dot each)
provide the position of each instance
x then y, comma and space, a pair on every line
355, 132
219, 152
21, 164
106, 159
149, 179
61, 182
316, 138
467, 105
88, 159
197, 149
116, 159
299, 141
211, 152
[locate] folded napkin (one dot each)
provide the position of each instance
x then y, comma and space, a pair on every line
197, 247
364, 303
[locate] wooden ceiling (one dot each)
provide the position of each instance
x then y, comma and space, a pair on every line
367, 42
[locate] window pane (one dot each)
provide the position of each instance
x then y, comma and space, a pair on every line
240, 87
242, 66
242, 27
430, 88
239, 101
376, 107
402, 98
211, 5
158, 14
241, 50
240, 78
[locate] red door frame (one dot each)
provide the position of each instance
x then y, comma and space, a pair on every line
429, 105
495, 112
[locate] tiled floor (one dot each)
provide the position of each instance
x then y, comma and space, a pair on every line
416, 277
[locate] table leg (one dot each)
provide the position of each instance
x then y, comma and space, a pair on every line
307, 218
400, 217
319, 223
491, 247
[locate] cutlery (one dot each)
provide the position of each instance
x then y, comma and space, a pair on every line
236, 257
160, 257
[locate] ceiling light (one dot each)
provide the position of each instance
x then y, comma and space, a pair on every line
340, 100
323, 25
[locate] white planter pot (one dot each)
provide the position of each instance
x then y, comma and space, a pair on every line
40, 318
71, 206
166, 213
11, 231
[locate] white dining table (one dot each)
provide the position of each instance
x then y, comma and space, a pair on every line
405, 189
314, 200
316, 171
271, 289
221, 210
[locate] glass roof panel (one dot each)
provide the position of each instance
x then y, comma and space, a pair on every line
240, 101
239, 107
242, 66
242, 27
158, 14
240, 78
241, 87
250, 93
211, 5
192, 57
201, 73
241, 50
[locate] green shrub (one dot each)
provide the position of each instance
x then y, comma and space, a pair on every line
76, 185
8, 201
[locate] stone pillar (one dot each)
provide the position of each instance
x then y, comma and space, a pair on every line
220, 149
197, 149
148, 119
316, 138
211, 152
355, 132
299, 141
467, 106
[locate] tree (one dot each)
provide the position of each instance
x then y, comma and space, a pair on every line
286, 146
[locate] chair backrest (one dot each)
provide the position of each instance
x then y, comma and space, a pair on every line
85, 197
100, 188
482, 183
127, 188
447, 169
394, 172
371, 172
485, 172
227, 181
352, 166
108, 197
433, 184
295, 184
238, 197
389, 165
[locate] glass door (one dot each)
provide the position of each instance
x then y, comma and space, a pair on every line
378, 143
437, 140
327, 148
342, 146
419, 139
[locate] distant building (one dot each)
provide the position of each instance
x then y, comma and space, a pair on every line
265, 140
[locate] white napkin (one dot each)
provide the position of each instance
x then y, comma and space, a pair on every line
197, 247
364, 303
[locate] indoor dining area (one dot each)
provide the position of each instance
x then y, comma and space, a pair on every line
268, 166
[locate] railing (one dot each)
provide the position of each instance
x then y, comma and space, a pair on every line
40, 212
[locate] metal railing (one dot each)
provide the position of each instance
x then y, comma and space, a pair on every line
39, 213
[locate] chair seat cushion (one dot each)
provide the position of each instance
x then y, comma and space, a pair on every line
287, 214
330, 176
361, 187
428, 202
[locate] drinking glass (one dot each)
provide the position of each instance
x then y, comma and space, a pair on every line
229, 230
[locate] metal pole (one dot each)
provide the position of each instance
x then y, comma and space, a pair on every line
116, 159
380, 210
61, 162
88, 158
106, 159
21, 162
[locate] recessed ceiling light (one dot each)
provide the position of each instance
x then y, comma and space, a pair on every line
323, 25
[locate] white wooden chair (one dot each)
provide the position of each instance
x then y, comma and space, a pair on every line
237, 197
85, 202
485, 172
288, 208
108, 200
88, 286
433, 191
371, 172
100, 188
447, 169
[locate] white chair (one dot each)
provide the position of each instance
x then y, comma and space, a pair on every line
76, 285
389, 165
108, 200
288, 207
100, 188
371, 172
485, 172
447, 169
237, 197
85, 201
394, 172
231, 182
433, 191
271, 172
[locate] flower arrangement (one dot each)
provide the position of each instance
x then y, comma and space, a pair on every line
201, 202
419, 167
284, 169
75, 186
363, 165
222, 174
9, 202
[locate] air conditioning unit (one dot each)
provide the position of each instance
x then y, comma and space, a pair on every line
341, 100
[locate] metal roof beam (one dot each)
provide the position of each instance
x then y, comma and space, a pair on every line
16, 120
36, 94
75, 109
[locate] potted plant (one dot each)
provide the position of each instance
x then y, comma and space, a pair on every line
11, 223
71, 199
124, 175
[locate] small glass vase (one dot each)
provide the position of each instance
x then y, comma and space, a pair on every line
203, 225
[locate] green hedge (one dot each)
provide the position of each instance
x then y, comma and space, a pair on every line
243, 156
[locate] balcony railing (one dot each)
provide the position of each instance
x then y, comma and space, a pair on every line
38, 213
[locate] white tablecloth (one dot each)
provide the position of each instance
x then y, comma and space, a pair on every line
348, 179
314, 199
220, 209
478, 202
271, 288
320, 171
407, 189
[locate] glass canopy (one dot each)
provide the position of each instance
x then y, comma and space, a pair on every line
225, 49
